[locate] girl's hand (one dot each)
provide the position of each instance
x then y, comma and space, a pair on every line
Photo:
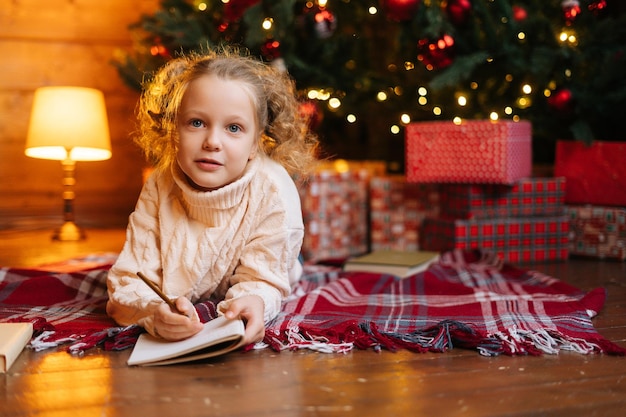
173, 326
251, 309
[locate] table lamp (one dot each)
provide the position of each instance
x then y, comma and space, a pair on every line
68, 124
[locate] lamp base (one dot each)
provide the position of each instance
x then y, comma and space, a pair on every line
68, 232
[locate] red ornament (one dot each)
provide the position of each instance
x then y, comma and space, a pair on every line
158, 49
325, 24
310, 110
571, 9
458, 11
234, 9
597, 7
400, 10
519, 13
436, 54
270, 49
561, 101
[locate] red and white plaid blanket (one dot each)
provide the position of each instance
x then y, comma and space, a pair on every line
469, 300
66, 304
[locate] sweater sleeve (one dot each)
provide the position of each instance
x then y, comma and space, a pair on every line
131, 301
269, 263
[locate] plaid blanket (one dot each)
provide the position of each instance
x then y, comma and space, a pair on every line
66, 304
468, 299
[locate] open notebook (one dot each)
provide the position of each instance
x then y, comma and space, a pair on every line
218, 337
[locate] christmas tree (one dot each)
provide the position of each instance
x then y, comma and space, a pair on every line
366, 68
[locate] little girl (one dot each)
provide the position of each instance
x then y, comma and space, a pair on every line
220, 216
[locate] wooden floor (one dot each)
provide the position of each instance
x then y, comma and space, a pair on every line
360, 383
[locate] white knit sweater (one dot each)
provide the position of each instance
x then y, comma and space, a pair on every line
241, 239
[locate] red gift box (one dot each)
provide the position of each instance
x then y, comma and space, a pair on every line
334, 210
397, 209
521, 239
527, 197
474, 151
597, 231
595, 174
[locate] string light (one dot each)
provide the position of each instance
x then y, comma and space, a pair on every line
334, 103
523, 102
267, 24
569, 37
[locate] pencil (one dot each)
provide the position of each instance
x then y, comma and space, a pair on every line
158, 291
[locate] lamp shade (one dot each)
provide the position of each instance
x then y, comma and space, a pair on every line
68, 119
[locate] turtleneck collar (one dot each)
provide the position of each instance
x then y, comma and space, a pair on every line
223, 198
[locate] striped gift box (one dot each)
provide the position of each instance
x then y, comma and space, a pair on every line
521, 239
527, 197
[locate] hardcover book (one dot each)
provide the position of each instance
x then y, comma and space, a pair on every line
399, 263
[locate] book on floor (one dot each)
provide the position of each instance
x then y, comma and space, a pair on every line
13, 339
399, 263
219, 336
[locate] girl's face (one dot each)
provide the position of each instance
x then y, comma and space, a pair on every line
217, 132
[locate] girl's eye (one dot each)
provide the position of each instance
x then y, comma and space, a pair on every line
196, 123
234, 128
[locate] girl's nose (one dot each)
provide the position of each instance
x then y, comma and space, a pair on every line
212, 141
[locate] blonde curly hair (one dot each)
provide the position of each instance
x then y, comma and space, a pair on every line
285, 136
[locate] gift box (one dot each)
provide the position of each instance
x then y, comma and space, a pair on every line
595, 174
527, 197
521, 239
596, 231
397, 209
334, 211
474, 151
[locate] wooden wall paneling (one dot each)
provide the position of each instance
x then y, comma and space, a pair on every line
66, 42
86, 21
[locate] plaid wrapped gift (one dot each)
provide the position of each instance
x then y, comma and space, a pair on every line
475, 151
334, 210
521, 239
597, 231
527, 197
595, 174
397, 209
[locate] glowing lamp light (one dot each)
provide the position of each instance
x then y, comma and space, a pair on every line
68, 124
